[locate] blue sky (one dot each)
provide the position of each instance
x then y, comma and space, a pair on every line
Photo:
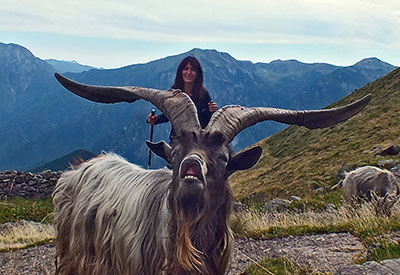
113, 34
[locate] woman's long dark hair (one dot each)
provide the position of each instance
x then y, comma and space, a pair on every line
198, 89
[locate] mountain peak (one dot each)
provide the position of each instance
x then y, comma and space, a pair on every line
16, 51
372, 63
277, 61
18, 69
208, 52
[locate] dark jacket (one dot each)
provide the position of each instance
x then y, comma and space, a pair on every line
203, 112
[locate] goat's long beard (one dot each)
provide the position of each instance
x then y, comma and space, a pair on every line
188, 256
189, 212
203, 246
201, 236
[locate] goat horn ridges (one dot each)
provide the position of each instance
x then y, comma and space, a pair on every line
176, 105
230, 120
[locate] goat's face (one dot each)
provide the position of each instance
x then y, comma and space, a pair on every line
202, 163
199, 161
383, 205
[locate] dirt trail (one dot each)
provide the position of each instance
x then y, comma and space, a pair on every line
333, 253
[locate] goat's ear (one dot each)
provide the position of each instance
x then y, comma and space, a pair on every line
244, 160
161, 149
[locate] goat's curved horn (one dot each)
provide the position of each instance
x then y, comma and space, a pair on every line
175, 104
230, 120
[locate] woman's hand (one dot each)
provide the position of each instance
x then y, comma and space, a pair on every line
212, 106
152, 119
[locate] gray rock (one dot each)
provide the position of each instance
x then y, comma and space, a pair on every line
8, 172
388, 267
47, 174
20, 179
294, 198
393, 265
31, 182
276, 205
391, 150
387, 163
238, 206
27, 185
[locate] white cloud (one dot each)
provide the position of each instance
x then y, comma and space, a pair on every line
353, 23
245, 20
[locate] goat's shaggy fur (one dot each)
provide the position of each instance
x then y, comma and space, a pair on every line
370, 183
110, 214
116, 218
359, 183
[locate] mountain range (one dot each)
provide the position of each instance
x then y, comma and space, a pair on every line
42, 121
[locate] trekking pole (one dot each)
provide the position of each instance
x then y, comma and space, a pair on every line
153, 112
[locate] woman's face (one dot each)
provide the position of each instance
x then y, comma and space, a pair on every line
189, 73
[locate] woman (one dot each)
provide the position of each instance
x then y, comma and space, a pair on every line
189, 79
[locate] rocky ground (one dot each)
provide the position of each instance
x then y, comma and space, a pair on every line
331, 253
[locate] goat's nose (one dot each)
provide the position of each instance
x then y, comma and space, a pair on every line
193, 169
194, 157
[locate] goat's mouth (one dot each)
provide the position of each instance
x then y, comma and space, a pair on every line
191, 171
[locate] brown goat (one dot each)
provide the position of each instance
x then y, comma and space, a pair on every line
116, 218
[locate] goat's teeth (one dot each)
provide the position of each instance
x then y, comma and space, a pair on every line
190, 177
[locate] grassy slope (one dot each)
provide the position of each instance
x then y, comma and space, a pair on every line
297, 160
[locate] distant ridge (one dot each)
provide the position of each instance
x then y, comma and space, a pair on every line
64, 162
62, 66
297, 161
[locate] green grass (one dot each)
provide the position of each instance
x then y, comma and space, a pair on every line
25, 234
15, 209
310, 202
362, 223
384, 250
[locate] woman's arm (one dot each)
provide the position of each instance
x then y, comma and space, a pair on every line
212, 106
156, 119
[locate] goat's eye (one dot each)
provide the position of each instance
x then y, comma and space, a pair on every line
175, 154
223, 158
